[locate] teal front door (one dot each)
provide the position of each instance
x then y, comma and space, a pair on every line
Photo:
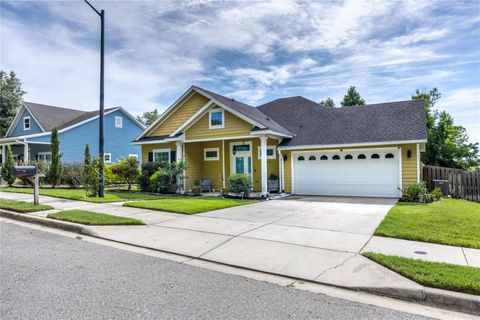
243, 164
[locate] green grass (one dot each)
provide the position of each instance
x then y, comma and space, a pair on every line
432, 274
188, 205
79, 194
22, 206
93, 218
450, 221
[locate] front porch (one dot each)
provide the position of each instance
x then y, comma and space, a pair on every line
216, 160
25, 151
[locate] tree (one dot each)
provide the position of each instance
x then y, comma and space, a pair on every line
91, 176
55, 173
7, 168
127, 170
11, 99
352, 98
328, 103
147, 118
447, 143
87, 157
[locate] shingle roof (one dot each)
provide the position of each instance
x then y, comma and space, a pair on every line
50, 116
248, 111
313, 124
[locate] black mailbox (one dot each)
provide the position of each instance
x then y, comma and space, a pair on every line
24, 171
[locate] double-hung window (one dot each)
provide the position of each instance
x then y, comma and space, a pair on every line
161, 155
118, 122
26, 123
216, 119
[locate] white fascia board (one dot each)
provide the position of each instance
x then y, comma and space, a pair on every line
196, 116
166, 113
270, 132
166, 140
125, 112
220, 139
336, 146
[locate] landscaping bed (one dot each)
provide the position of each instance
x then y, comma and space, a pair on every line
453, 222
22, 206
432, 274
187, 205
93, 218
79, 194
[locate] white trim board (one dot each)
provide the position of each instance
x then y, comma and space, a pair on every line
337, 146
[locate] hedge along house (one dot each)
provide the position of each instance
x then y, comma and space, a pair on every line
29, 134
371, 150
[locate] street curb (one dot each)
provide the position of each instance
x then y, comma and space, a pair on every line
457, 301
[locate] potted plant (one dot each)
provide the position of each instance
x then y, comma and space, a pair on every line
273, 185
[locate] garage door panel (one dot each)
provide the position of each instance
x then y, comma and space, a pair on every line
353, 177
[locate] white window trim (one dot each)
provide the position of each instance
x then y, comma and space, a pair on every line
205, 150
133, 155
118, 122
29, 123
44, 154
109, 156
274, 156
162, 150
220, 126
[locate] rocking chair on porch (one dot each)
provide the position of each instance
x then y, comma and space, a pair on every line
205, 185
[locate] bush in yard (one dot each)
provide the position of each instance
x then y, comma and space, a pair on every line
436, 193
414, 192
55, 172
160, 181
126, 170
110, 177
240, 183
91, 176
148, 169
7, 168
72, 174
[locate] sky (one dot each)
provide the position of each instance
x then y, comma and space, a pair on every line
251, 51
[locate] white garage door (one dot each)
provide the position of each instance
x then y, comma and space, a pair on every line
370, 173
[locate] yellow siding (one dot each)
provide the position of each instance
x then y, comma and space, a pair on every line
146, 148
409, 165
233, 126
198, 168
194, 159
180, 115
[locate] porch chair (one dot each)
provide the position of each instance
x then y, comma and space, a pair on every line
206, 185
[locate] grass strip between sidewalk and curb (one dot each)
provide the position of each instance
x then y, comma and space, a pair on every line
432, 274
188, 205
93, 218
22, 206
80, 195
452, 222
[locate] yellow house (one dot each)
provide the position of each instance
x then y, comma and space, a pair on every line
371, 150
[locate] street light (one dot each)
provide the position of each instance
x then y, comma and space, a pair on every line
101, 191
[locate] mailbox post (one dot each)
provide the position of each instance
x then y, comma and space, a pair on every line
31, 173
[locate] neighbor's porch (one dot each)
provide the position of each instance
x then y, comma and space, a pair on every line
25, 151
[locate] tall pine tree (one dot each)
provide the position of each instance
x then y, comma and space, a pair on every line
55, 172
7, 168
352, 98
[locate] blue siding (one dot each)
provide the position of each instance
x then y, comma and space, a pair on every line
117, 140
34, 127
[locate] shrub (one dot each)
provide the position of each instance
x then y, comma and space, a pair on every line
55, 172
436, 193
91, 176
414, 192
7, 167
126, 170
240, 184
272, 177
160, 181
110, 177
148, 169
196, 191
72, 174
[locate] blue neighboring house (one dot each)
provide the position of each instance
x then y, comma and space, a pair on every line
30, 132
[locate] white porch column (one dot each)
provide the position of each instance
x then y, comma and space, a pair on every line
263, 153
4, 153
25, 153
179, 153
281, 169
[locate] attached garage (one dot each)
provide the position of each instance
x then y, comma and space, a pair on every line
365, 172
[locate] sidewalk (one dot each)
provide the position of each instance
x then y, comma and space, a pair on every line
236, 243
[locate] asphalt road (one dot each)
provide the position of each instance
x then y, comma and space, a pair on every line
48, 276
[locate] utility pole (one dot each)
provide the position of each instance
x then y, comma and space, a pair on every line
101, 116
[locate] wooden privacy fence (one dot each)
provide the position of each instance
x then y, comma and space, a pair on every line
461, 184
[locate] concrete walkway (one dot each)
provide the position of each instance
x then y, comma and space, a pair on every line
311, 238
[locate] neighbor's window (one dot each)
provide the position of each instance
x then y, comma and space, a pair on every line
26, 123
161, 155
118, 122
216, 119
107, 157
271, 154
211, 154
44, 156
133, 155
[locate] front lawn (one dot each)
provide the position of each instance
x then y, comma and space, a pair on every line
79, 194
188, 205
93, 218
432, 274
453, 222
22, 206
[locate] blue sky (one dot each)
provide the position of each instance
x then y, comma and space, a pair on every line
251, 51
